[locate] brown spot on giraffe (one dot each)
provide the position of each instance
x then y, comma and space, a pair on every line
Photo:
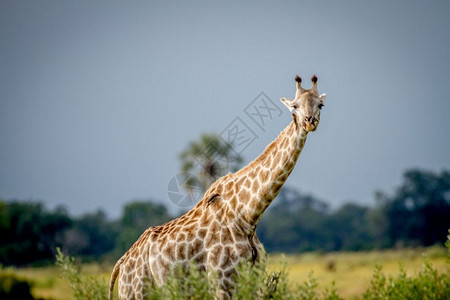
211, 239
241, 180
181, 251
229, 186
199, 258
233, 202
226, 257
247, 183
202, 233
170, 251
226, 237
214, 255
255, 186
205, 220
230, 215
263, 175
244, 196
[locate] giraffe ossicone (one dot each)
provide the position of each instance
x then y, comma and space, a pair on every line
219, 232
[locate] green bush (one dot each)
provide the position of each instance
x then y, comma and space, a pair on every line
447, 244
427, 284
252, 282
192, 284
12, 287
83, 287
256, 282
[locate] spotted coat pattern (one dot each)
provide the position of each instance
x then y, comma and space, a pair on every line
219, 232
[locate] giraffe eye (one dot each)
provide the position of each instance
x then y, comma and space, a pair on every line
295, 106
321, 105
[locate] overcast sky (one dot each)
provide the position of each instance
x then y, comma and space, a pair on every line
97, 99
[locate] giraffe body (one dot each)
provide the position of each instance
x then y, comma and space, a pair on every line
219, 232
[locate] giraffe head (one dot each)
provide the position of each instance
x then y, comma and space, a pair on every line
307, 104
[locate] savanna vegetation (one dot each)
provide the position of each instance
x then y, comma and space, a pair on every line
420, 273
415, 216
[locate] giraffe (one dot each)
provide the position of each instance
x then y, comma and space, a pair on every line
219, 232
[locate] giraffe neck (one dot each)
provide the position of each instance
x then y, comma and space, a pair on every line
269, 172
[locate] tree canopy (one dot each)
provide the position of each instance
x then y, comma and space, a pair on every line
416, 214
207, 159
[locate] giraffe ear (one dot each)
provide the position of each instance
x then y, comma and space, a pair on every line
288, 103
322, 97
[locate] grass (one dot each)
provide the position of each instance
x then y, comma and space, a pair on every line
351, 272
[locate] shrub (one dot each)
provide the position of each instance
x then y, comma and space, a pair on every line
427, 284
252, 282
83, 287
182, 284
12, 287
256, 282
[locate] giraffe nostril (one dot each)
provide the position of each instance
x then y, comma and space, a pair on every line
308, 119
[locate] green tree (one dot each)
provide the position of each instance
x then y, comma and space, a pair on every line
137, 217
293, 223
350, 228
30, 233
206, 160
418, 212
91, 236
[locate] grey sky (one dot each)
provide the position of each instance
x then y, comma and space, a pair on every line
97, 99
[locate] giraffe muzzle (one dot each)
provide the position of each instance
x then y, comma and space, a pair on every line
310, 123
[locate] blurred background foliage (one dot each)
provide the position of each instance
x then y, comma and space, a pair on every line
207, 160
416, 214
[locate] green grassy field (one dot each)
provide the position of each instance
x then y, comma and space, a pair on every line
351, 271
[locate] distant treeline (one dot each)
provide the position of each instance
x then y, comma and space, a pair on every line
416, 214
